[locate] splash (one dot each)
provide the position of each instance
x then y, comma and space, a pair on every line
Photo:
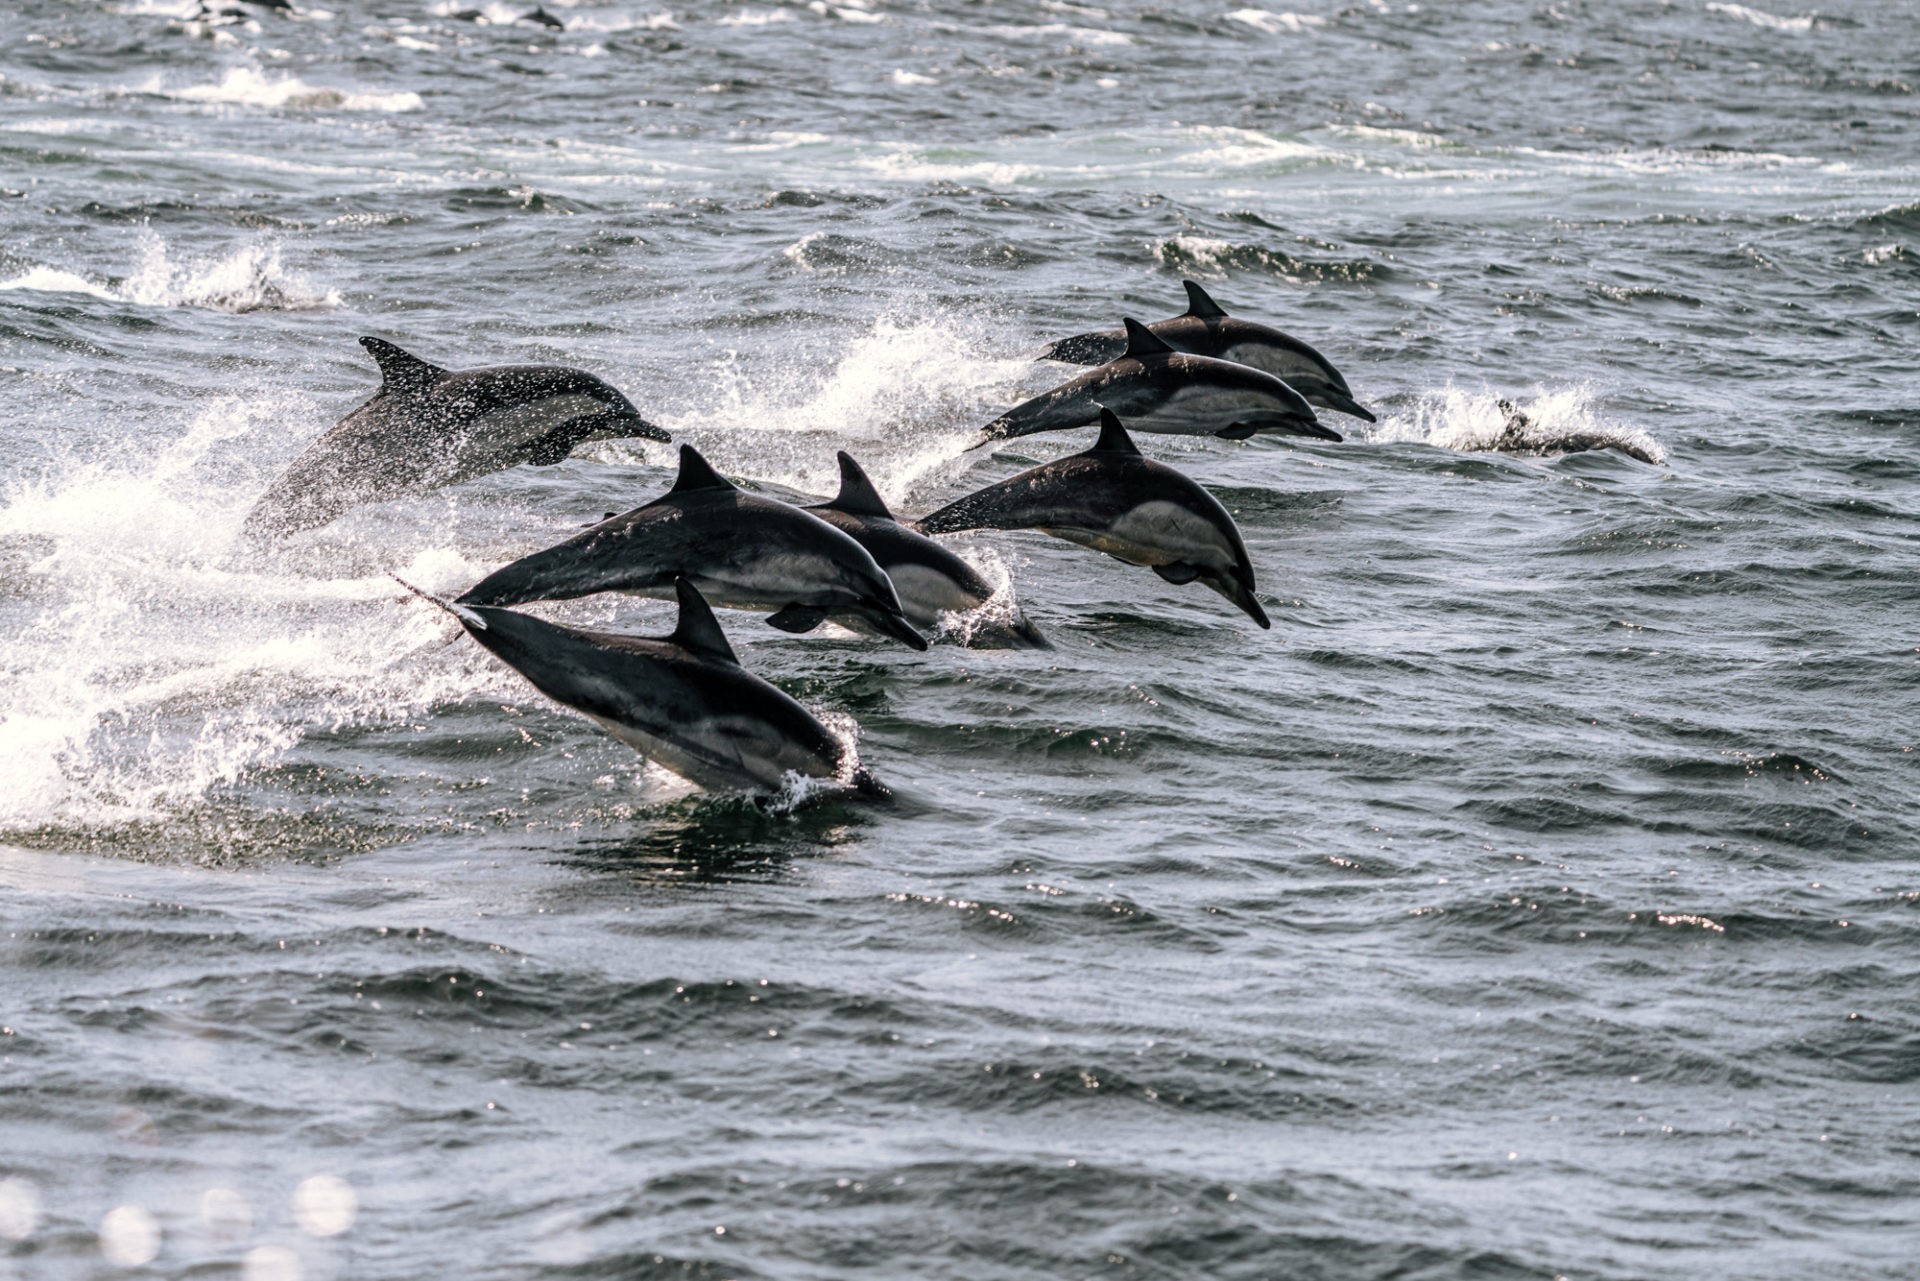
150, 668
1758, 18
905, 397
251, 277
1552, 423
249, 86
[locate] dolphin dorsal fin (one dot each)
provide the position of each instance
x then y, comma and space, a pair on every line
1200, 303
1113, 437
1142, 341
698, 632
697, 473
400, 371
857, 496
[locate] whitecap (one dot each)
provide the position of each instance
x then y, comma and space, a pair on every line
1274, 23
249, 86
54, 281
1758, 18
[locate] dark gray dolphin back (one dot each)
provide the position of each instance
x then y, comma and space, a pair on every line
1206, 329
1116, 501
1160, 389
681, 699
427, 427
931, 580
748, 551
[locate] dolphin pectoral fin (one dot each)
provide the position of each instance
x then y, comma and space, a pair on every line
550, 449
1178, 572
798, 618
1237, 431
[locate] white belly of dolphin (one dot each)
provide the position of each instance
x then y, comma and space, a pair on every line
720, 754
1156, 533
1204, 410
926, 593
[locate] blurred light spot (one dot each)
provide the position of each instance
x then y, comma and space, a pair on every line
129, 1236
19, 1209
226, 1213
325, 1206
270, 1263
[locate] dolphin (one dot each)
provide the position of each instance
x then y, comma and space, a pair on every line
1207, 330
539, 16
1115, 501
1162, 390
742, 550
931, 580
682, 700
1518, 435
427, 427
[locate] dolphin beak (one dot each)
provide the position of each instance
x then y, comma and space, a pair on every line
1320, 431
1348, 405
895, 624
626, 421
1240, 594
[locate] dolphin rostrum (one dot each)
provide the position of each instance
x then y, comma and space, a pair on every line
682, 700
1162, 390
931, 580
741, 550
427, 427
1207, 330
1115, 501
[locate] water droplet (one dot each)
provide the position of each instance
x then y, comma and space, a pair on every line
325, 1206
129, 1236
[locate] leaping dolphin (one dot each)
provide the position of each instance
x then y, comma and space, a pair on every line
1115, 501
931, 580
1207, 330
1162, 390
427, 427
741, 550
682, 700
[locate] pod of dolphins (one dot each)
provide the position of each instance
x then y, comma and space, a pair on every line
683, 700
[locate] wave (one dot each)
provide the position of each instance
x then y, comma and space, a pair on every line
1274, 23
1559, 422
1216, 259
249, 86
1758, 18
251, 278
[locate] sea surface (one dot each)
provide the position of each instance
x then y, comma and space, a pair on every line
1540, 898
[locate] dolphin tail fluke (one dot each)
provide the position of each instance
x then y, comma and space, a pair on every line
466, 616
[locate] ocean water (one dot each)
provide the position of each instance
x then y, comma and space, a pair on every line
1539, 899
